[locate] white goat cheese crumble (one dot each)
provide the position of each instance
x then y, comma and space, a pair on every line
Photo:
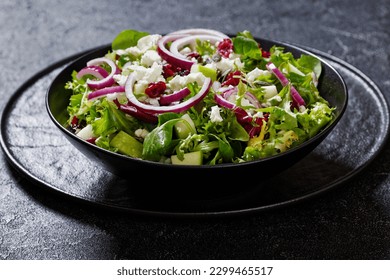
215, 114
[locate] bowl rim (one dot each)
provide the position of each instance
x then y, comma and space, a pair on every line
302, 49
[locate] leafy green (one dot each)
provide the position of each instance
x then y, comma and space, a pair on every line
111, 119
310, 63
204, 48
159, 142
246, 46
314, 119
75, 103
225, 150
127, 38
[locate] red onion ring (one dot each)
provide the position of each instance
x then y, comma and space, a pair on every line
105, 91
252, 99
177, 108
107, 81
281, 77
242, 116
222, 101
179, 43
96, 71
179, 39
226, 93
166, 99
136, 112
297, 98
168, 56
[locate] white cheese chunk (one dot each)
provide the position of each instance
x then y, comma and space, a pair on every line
215, 114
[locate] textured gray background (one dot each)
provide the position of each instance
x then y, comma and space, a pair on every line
350, 222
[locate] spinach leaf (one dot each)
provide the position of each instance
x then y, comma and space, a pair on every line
248, 47
159, 141
127, 38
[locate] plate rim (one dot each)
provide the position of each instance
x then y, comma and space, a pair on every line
47, 186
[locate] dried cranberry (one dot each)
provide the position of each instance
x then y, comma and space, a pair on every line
155, 89
231, 79
91, 140
225, 47
75, 122
168, 71
195, 55
265, 54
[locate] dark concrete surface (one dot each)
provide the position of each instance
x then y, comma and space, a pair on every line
348, 222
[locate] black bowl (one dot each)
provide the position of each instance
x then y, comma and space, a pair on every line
218, 177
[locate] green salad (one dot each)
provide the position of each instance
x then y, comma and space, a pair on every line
197, 97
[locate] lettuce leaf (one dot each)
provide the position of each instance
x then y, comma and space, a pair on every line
312, 120
310, 62
247, 47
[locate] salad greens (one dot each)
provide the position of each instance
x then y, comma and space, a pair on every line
225, 104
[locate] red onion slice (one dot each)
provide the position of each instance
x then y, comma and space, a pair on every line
281, 77
107, 81
168, 56
190, 40
297, 98
252, 99
177, 108
167, 99
222, 101
96, 71
227, 92
243, 118
136, 112
173, 56
105, 91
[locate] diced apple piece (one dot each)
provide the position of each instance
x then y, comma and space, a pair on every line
185, 128
192, 158
127, 144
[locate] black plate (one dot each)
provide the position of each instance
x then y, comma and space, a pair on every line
37, 149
